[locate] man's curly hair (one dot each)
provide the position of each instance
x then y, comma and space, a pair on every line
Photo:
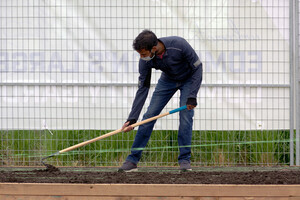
145, 40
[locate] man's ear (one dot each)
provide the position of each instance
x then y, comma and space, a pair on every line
154, 48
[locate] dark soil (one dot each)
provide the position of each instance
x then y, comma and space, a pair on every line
50, 168
65, 175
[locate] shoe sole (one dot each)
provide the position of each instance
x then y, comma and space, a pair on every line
131, 170
186, 170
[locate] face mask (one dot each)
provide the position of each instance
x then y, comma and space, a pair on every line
148, 58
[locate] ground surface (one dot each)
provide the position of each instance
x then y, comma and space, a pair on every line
204, 175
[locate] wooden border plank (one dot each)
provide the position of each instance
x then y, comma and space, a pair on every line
10, 197
146, 190
139, 198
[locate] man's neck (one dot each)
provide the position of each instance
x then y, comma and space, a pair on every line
160, 48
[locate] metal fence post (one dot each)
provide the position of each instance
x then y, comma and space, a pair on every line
291, 40
297, 81
294, 80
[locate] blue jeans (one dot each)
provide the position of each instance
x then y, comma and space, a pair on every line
164, 91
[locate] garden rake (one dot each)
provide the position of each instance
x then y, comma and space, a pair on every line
110, 134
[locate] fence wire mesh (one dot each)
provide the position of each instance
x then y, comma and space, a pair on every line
69, 74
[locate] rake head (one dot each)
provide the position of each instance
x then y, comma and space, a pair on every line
48, 166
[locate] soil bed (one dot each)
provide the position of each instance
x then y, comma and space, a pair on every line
147, 176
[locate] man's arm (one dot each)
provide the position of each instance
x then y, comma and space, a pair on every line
196, 82
141, 95
190, 55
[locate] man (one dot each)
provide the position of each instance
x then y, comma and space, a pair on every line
181, 70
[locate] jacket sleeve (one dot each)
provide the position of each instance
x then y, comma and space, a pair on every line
142, 92
194, 62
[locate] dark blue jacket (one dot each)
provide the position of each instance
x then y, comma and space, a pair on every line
179, 63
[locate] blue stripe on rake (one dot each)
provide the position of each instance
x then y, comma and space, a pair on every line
177, 109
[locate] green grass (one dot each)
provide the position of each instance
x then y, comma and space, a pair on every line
209, 148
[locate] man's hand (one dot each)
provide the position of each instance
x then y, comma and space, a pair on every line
126, 127
190, 107
191, 103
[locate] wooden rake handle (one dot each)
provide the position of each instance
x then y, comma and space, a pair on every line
120, 130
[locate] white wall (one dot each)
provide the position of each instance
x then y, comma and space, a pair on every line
47, 47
